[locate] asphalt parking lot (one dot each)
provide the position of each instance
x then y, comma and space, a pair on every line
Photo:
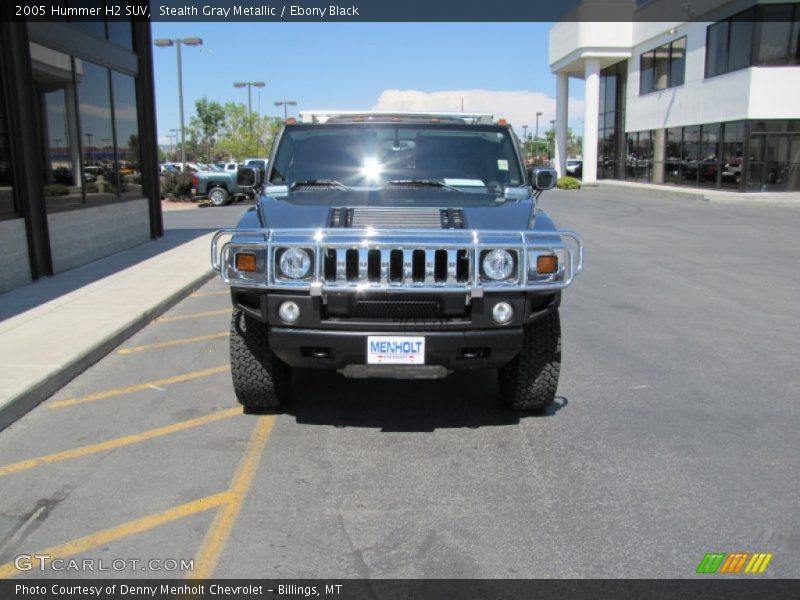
675, 432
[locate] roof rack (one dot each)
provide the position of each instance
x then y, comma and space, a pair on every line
350, 116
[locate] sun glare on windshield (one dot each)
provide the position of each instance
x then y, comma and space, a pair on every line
371, 169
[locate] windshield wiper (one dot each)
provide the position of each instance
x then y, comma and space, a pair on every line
319, 182
422, 183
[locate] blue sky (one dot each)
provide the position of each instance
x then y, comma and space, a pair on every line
496, 67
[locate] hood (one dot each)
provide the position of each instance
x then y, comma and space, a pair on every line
468, 210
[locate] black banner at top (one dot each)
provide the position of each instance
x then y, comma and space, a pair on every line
367, 10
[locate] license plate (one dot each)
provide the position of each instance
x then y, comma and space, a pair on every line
395, 350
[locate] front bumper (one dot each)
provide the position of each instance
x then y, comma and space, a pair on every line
450, 350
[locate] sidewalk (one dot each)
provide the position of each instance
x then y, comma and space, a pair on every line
55, 328
701, 194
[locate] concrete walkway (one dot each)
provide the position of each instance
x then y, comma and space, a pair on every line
53, 329
702, 194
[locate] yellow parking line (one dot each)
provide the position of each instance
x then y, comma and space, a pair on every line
139, 387
117, 442
217, 535
208, 313
203, 294
106, 536
169, 344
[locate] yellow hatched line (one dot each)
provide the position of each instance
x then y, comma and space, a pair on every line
171, 343
139, 387
106, 536
208, 313
117, 442
217, 535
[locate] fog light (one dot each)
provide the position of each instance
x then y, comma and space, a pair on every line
502, 313
289, 312
245, 261
546, 263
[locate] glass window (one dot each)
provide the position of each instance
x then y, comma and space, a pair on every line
94, 110
773, 34
732, 157
126, 123
662, 67
646, 72
8, 206
794, 39
677, 62
672, 159
717, 49
741, 40
611, 91
92, 26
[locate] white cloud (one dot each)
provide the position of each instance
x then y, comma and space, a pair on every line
518, 107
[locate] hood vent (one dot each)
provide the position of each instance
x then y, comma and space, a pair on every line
382, 217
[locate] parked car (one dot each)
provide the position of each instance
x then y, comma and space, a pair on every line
261, 163
422, 254
575, 167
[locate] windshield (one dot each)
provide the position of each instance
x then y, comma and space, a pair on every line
378, 154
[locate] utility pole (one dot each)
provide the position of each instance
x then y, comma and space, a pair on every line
536, 135
250, 85
285, 103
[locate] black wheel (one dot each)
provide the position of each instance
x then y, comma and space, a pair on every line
260, 379
529, 382
218, 196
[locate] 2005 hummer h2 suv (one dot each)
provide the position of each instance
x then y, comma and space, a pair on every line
400, 245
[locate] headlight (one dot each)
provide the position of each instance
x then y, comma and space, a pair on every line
295, 263
498, 264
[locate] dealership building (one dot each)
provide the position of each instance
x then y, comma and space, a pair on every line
78, 154
709, 102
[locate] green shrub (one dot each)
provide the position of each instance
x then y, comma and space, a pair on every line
176, 185
56, 189
568, 183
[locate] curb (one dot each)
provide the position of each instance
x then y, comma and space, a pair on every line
710, 197
17, 406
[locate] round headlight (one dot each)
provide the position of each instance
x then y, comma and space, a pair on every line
498, 264
502, 313
295, 263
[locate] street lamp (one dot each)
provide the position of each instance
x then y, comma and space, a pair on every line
553, 129
188, 41
285, 103
249, 84
536, 135
524, 139
91, 150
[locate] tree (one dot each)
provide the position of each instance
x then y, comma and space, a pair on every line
207, 123
246, 135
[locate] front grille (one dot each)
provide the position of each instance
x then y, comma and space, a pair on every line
396, 309
395, 265
385, 217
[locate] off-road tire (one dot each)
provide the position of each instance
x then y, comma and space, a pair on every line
260, 379
529, 382
218, 196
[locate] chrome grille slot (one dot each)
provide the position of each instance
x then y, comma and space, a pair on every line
329, 266
374, 265
351, 264
396, 266
462, 266
440, 266
418, 266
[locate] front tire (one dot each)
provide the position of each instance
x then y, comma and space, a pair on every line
529, 382
218, 196
260, 379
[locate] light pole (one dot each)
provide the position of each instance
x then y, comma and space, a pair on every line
553, 129
189, 41
536, 135
91, 150
524, 140
250, 85
285, 103
175, 136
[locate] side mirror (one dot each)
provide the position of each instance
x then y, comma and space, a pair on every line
543, 178
248, 177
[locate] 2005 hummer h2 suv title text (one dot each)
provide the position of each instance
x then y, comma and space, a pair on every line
396, 245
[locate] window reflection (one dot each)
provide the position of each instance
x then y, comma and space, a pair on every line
7, 205
126, 120
99, 173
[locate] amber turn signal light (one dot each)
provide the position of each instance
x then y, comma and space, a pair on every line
245, 261
546, 263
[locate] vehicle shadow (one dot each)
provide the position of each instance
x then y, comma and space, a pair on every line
46, 289
468, 400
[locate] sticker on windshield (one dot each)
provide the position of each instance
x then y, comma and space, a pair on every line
464, 182
502, 165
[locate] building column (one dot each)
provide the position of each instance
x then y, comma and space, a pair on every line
562, 117
591, 111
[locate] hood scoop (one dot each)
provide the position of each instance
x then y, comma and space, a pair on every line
381, 217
